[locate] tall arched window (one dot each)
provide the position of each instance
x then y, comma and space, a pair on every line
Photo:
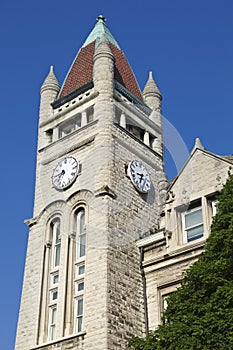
56, 243
81, 233
51, 277
80, 222
54, 277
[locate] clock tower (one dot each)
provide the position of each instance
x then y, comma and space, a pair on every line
99, 186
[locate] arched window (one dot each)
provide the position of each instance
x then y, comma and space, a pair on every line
56, 243
79, 274
81, 233
55, 228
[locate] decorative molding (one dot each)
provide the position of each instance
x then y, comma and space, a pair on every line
170, 197
51, 344
80, 196
32, 221
59, 114
184, 253
105, 191
84, 88
50, 209
48, 244
135, 100
162, 235
219, 184
125, 143
69, 150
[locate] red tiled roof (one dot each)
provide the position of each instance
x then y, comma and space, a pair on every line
82, 68
123, 72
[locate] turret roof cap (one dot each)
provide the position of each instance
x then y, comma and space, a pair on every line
151, 86
50, 81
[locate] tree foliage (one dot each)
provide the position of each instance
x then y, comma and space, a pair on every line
200, 313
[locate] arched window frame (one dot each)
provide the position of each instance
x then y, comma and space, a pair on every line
80, 229
54, 264
80, 219
56, 242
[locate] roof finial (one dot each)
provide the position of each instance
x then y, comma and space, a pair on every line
50, 82
198, 143
101, 18
151, 86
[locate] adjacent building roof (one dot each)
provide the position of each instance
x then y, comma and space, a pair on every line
199, 147
81, 70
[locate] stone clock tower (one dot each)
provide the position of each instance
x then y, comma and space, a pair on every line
99, 184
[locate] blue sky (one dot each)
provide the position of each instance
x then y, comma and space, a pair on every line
187, 45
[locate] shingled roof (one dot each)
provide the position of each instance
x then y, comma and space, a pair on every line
81, 70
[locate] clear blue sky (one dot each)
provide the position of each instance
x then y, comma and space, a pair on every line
187, 45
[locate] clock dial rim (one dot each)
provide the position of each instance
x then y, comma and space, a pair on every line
144, 173
59, 186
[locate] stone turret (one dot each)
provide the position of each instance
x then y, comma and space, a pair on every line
153, 98
48, 92
103, 70
152, 94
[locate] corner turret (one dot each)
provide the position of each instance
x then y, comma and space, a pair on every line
103, 69
151, 94
153, 98
48, 93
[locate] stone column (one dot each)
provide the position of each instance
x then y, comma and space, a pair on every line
123, 120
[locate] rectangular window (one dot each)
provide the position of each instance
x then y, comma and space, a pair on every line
55, 278
82, 245
53, 295
79, 315
193, 224
81, 269
79, 286
136, 131
52, 322
70, 126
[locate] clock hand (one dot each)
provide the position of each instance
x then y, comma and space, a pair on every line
144, 182
141, 176
60, 174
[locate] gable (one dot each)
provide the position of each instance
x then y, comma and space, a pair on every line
203, 174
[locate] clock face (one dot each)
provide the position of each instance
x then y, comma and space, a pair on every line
139, 176
65, 173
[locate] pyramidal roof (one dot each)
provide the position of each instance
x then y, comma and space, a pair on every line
81, 70
96, 34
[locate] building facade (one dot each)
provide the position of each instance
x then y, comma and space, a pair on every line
110, 237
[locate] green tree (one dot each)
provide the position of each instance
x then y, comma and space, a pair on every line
200, 313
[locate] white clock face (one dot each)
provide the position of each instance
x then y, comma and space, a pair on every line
139, 176
65, 173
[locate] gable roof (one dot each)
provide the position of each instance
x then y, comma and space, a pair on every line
81, 70
198, 147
